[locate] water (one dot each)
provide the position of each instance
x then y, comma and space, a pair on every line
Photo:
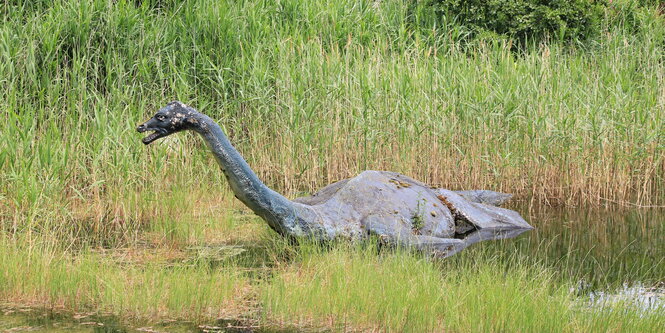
603, 249
644, 298
40, 320
36, 320
615, 256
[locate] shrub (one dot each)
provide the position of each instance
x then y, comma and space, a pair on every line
526, 20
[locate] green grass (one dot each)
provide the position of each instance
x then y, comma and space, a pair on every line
402, 292
151, 290
352, 288
342, 287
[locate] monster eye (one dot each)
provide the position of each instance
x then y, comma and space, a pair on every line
160, 117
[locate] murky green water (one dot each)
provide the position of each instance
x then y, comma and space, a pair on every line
603, 249
41, 320
612, 255
34, 320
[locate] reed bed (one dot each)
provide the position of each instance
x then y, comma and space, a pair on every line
312, 93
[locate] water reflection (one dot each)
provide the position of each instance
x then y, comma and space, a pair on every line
603, 249
44, 320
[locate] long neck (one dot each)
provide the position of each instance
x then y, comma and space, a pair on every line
274, 208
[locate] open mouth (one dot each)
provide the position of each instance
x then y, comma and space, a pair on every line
157, 133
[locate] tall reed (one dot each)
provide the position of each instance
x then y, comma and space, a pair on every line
312, 92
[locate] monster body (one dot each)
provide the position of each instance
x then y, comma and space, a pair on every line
394, 207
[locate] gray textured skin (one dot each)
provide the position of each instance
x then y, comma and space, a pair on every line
394, 207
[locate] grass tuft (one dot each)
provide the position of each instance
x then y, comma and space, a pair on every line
349, 288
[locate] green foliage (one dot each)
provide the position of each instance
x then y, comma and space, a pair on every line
418, 218
527, 20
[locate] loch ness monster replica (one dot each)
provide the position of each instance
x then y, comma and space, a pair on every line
395, 208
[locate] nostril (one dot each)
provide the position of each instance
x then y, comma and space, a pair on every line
140, 128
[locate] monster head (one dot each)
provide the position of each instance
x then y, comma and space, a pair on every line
174, 117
